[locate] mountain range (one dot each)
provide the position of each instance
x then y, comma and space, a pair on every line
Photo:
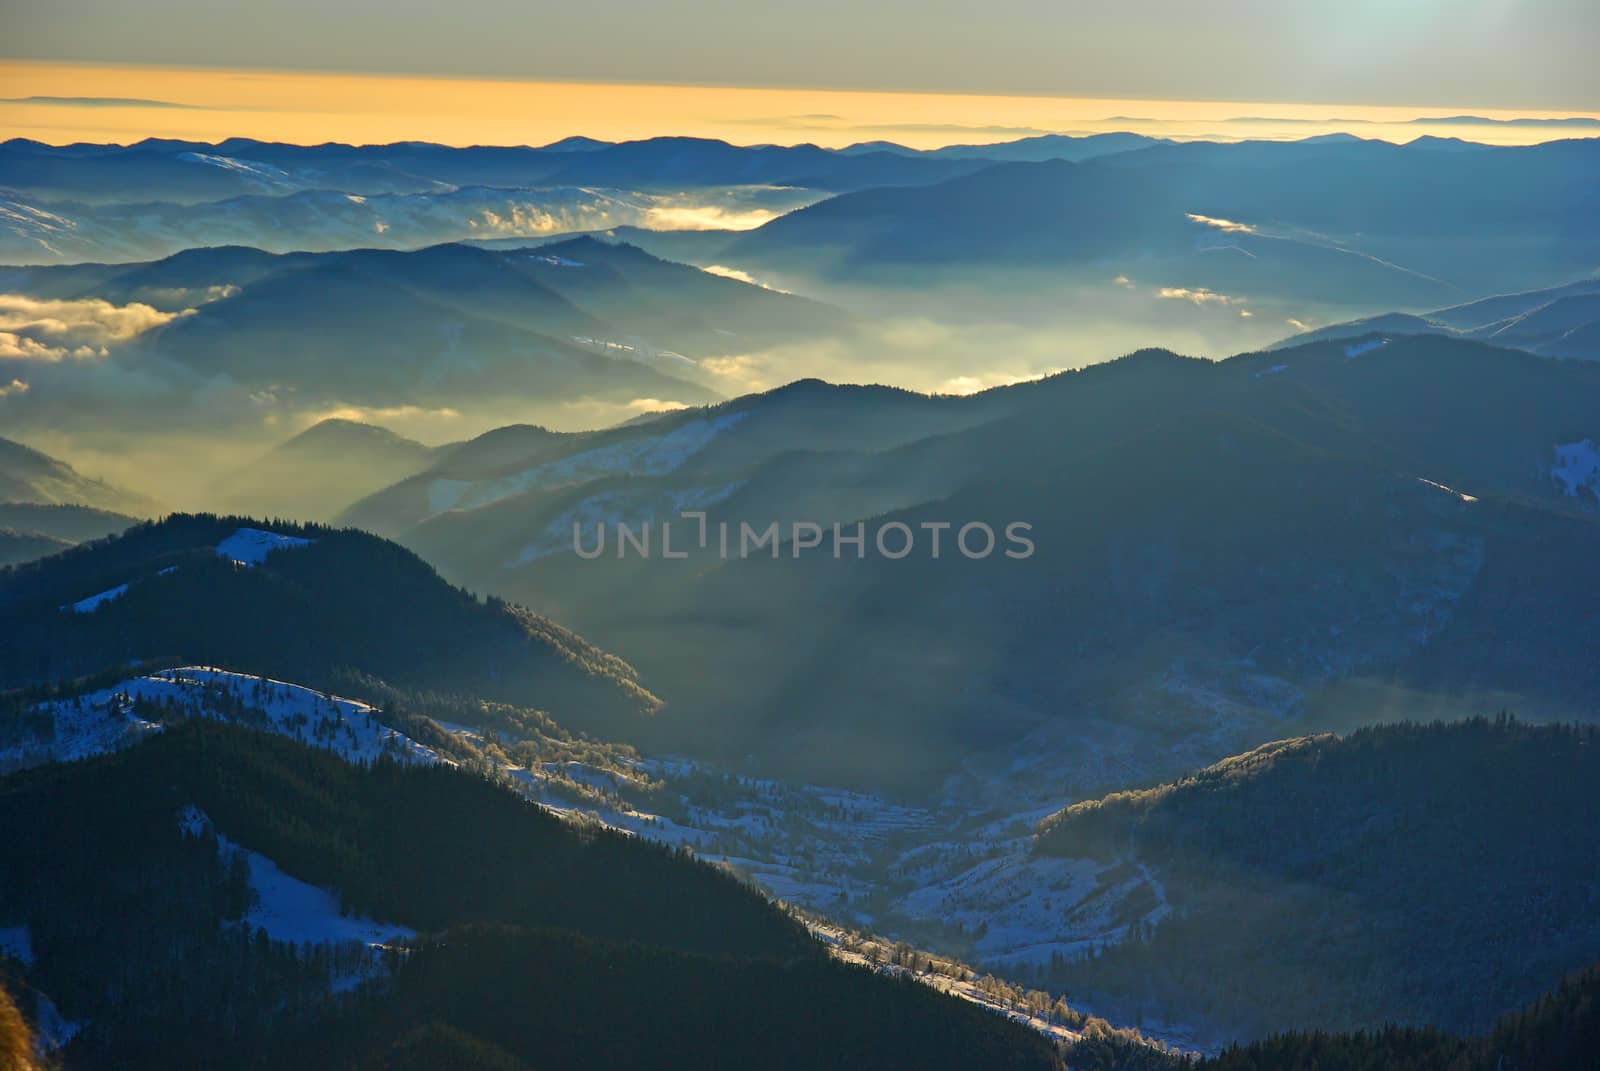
78, 202
1361, 515
582, 647
443, 330
1346, 222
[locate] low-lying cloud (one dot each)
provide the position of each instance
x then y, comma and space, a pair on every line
739, 275
32, 329
985, 381
1198, 295
15, 347
383, 414
598, 413
1227, 226
706, 218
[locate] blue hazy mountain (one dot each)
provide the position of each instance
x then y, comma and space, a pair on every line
1562, 321
580, 319
1354, 220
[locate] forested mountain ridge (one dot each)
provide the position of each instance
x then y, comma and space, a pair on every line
306, 603
1436, 874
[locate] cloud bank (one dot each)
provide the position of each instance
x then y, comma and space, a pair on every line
43, 330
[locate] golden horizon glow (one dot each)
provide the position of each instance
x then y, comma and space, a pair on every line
206, 104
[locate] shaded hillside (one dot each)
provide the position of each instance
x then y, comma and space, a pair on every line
1421, 874
554, 1001
1186, 582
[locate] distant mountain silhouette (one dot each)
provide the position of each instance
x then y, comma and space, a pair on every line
1358, 221
321, 470
29, 476
440, 326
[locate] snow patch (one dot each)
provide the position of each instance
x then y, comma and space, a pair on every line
94, 602
292, 910
1577, 468
244, 168
1356, 349
17, 942
193, 821
250, 546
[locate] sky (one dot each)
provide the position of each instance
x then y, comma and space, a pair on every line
922, 72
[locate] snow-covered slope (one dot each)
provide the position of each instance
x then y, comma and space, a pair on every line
288, 908
124, 713
93, 602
